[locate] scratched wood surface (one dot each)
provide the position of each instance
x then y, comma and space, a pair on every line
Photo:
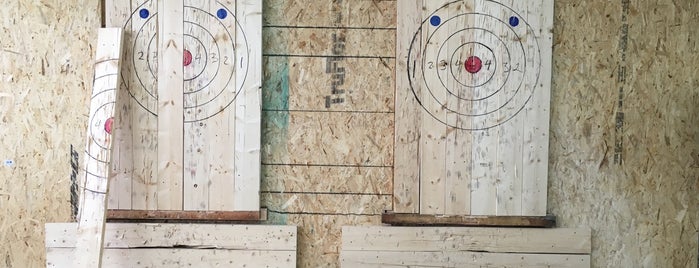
472, 107
95, 184
377, 246
189, 119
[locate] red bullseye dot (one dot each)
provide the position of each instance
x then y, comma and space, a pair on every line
187, 58
473, 64
108, 125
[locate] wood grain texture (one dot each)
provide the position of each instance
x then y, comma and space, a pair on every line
180, 245
466, 220
180, 257
502, 240
123, 214
225, 236
463, 259
95, 184
170, 77
480, 147
195, 145
406, 191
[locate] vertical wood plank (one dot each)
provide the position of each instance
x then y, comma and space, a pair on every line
484, 153
221, 156
406, 189
93, 200
508, 141
535, 145
170, 104
459, 141
432, 140
248, 107
121, 162
198, 70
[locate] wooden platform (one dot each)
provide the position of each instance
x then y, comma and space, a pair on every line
398, 219
464, 247
472, 107
180, 245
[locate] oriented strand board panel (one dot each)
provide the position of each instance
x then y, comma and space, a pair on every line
180, 245
472, 107
464, 247
190, 106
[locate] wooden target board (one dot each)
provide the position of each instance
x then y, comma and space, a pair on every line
472, 107
188, 116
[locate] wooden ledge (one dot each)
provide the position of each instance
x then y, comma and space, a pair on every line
179, 216
398, 219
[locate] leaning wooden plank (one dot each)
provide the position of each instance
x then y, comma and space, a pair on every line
170, 105
519, 240
122, 214
221, 236
248, 107
180, 257
396, 219
464, 259
93, 200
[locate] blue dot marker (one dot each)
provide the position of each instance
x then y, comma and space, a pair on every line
435, 20
222, 13
143, 13
514, 21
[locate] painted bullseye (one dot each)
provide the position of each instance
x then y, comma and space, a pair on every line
473, 64
186, 58
108, 125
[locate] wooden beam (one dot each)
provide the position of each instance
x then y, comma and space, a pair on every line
180, 257
118, 214
397, 219
163, 235
464, 259
93, 198
487, 239
180, 245
170, 105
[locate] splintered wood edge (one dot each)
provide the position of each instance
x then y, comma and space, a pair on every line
404, 219
176, 215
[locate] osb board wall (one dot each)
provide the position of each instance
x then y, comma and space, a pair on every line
46, 72
643, 212
324, 170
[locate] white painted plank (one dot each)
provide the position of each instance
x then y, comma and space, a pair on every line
93, 197
222, 236
248, 107
170, 105
519, 240
179, 257
463, 259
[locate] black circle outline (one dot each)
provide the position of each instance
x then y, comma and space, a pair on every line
534, 85
508, 75
206, 59
234, 62
451, 66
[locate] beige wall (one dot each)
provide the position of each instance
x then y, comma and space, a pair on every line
643, 212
